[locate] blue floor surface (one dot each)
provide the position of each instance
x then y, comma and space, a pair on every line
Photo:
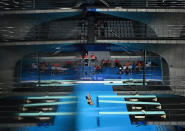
88, 118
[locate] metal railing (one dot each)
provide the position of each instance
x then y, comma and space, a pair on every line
120, 30
115, 31
57, 4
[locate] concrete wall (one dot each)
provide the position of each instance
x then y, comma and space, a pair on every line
15, 28
174, 56
166, 24
22, 24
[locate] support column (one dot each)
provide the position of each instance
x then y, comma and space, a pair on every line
144, 68
38, 68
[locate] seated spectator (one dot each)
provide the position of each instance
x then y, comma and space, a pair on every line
98, 69
108, 62
89, 100
93, 58
125, 69
130, 69
128, 63
54, 68
103, 62
120, 70
116, 62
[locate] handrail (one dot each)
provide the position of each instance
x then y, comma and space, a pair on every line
56, 4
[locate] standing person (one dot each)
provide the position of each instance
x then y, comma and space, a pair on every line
102, 32
138, 65
149, 65
86, 58
34, 67
133, 67
96, 33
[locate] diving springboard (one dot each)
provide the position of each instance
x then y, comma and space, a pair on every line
48, 114
50, 97
49, 104
134, 113
129, 102
127, 96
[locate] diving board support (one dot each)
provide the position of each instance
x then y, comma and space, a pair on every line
140, 117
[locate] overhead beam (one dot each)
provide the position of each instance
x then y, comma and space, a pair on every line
39, 42
165, 41
97, 41
116, 9
148, 10
48, 11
